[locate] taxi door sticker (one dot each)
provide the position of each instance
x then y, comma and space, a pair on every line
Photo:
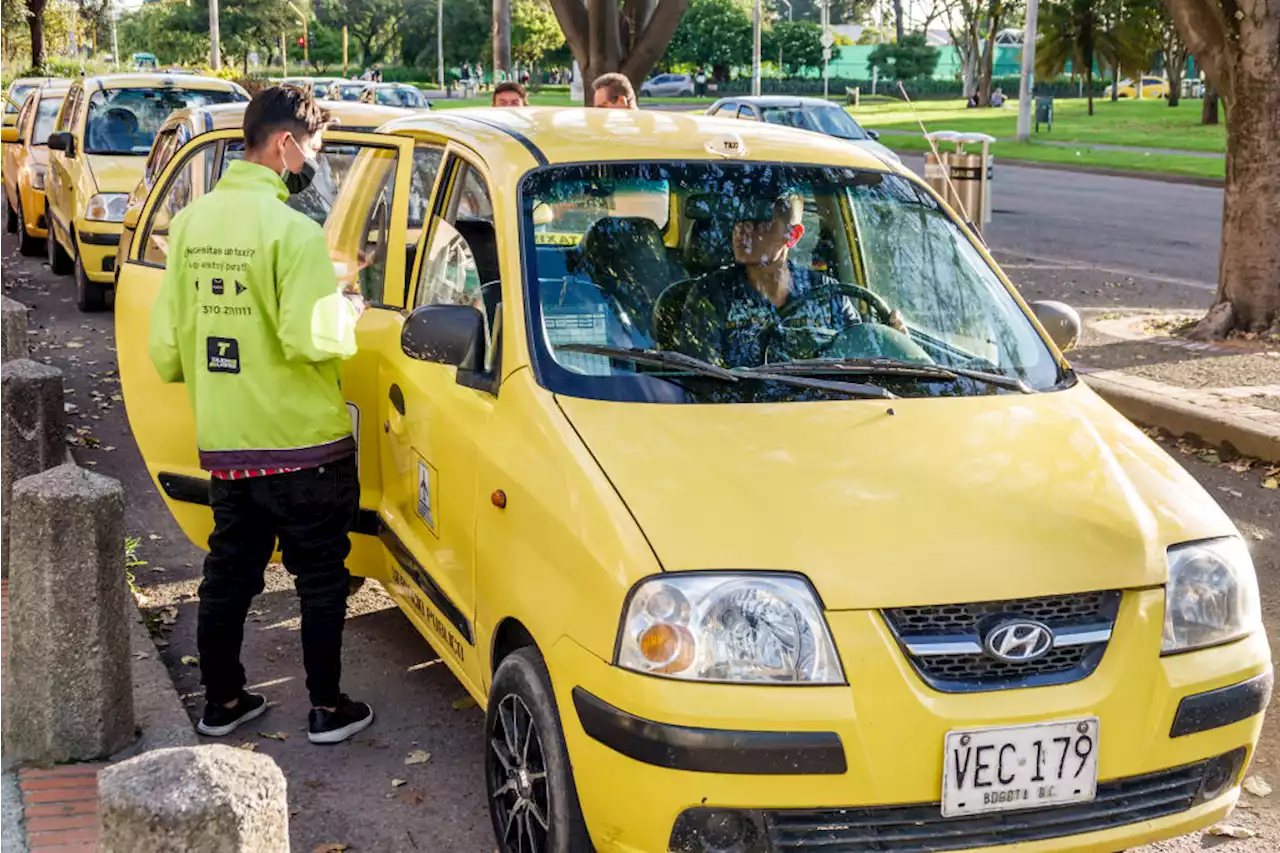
426, 502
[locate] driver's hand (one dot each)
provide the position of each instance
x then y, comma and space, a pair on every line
897, 322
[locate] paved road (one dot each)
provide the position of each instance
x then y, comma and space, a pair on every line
344, 794
1130, 226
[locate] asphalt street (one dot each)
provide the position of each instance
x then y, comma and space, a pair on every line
1062, 237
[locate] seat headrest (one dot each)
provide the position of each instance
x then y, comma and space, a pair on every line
710, 245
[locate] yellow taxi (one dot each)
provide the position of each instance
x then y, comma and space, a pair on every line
184, 125
1152, 87
97, 154
17, 94
762, 516
26, 163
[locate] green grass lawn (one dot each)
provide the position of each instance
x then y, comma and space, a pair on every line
555, 99
1150, 123
1199, 167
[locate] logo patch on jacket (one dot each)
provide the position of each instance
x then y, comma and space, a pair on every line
224, 355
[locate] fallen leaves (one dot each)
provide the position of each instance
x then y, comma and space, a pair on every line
1227, 830
331, 847
191, 660
396, 783
1257, 786
168, 615
1271, 483
417, 756
274, 735
464, 703
247, 746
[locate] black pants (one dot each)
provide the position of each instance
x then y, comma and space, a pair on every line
311, 512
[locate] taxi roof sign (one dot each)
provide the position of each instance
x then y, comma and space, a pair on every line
727, 144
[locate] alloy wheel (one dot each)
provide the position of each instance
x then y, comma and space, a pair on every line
519, 773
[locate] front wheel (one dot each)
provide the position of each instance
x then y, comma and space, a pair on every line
59, 260
533, 801
11, 220
91, 296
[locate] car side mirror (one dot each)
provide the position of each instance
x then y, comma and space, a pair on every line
1060, 320
63, 141
131, 215
874, 134
445, 334
9, 134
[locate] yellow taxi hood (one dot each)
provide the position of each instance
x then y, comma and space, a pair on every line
941, 500
116, 173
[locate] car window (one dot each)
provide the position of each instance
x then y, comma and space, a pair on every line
161, 151
187, 183
461, 263
46, 114
125, 121
832, 121
874, 268
746, 112
66, 116
17, 95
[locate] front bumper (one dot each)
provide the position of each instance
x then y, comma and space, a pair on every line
97, 243
891, 727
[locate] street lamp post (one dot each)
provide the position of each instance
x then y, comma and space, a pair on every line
440, 43
306, 40
215, 46
755, 49
1026, 88
827, 40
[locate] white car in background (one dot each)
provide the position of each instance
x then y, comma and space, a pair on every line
667, 86
813, 114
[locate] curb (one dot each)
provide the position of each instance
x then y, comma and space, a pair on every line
1159, 177
1213, 426
158, 711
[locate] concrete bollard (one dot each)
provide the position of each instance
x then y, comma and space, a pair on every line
68, 693
13, 329
32, 431
197, 799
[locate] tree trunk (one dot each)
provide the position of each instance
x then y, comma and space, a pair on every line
1175, 68
1209, 109
897, 18
988, 56
1115, 83
1088, 82
35, 22
1249, 265
501, 36
594, 35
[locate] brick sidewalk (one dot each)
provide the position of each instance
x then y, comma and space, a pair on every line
59, 805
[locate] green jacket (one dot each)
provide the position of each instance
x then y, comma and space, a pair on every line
251, 317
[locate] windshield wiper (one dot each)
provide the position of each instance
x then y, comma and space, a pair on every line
680, 361
894, 367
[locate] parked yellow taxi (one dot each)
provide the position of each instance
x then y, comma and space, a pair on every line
26, 163
98, 151
17, 94
1152, 87
184, 125
871, 570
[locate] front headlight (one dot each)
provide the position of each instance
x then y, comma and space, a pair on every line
713, 626
1212, 595
37, 176
107, 207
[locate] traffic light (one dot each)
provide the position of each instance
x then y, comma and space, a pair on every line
302, 42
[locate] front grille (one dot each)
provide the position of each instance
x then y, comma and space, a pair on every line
920, 828
967, 667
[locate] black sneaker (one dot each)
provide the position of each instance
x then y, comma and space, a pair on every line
341, 723
219, 721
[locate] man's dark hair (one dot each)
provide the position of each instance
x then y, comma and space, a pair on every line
616, 86
510, 86
282, 108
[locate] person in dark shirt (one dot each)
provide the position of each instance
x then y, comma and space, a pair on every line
764, 308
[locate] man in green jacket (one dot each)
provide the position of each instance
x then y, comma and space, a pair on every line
252, 318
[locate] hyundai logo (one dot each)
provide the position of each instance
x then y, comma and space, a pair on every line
1019, 641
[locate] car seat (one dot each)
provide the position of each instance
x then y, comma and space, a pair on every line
115, 131
482, 240
625, 257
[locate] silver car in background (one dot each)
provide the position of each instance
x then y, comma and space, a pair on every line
813, 114
667, 86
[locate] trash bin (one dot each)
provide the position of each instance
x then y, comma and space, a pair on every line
961, 177
1044, 112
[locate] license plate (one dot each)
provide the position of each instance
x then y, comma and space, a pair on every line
1020, 767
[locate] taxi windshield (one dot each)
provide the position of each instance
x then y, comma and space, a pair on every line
832, 121
687, 282
46, 115
17, 95
125, 121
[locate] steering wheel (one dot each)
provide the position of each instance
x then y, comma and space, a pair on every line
878, 305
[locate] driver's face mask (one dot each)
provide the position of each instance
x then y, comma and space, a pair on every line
298, 181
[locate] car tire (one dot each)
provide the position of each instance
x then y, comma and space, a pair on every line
527, 771
91, 297
59, 260
645, 93
10, 217
27, 244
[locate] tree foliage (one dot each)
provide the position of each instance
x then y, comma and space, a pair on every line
907, 59
466, 27
174, 32
1080, 32
535, 31
372, 25
715, 33
799, 43
842, 11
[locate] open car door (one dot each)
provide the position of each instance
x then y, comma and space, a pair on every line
160, 414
